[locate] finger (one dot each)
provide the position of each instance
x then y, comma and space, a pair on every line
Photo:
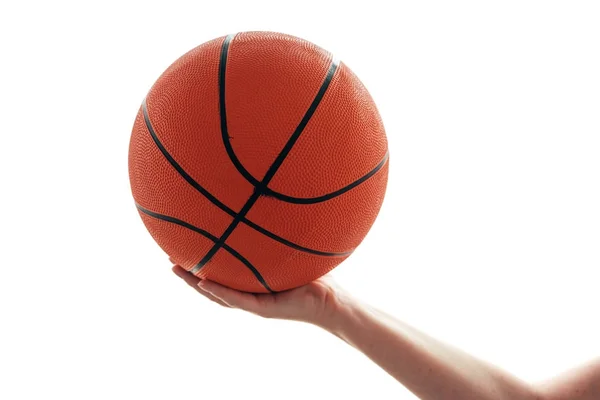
212, 298
235, 298
192, 281
188, 277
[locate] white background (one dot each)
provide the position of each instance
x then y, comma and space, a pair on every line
488, 237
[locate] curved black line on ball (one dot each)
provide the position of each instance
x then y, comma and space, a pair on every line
329, 196
178, 167
213, 250
223, 114
174, 220
259, 189
249, 266
238, 164
300, 128
219, 204
207, 235
294, 245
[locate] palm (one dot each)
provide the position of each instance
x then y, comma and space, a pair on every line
303, 302
306, 303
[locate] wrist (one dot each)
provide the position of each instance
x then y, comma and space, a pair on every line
339, 311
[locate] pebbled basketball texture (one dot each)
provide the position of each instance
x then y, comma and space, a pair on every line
258, 161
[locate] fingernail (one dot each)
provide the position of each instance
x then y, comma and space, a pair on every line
201, 285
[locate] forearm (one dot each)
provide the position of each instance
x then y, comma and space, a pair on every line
580, 383
427, 367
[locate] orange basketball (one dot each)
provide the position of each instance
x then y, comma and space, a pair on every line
258, 161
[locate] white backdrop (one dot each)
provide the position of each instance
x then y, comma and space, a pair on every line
488, 237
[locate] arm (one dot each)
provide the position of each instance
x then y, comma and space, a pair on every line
429, 368
581, 383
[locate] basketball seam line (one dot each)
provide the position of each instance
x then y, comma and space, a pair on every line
249, 203
177, 167
209, 236
218, 203
291, 244
328, 196
223, 115
258, 190
247, 175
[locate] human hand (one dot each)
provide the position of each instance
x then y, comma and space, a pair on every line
315, 303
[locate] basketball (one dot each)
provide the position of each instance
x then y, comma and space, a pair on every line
258, 161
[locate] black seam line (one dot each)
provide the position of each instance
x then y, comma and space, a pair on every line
223, 114
228, 231
240, 167
174, 220
259, 189
309, 113
207, 235
294, 245
329, 196
177, 167
219, 204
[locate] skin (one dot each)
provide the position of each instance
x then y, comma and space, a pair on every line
427, 367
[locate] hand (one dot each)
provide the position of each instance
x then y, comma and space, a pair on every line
315, 303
